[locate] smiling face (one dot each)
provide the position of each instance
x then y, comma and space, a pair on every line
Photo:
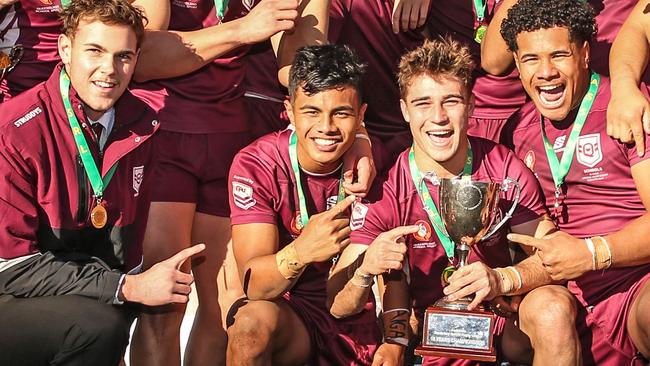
437, 109
553, 69
325, 123
100, 60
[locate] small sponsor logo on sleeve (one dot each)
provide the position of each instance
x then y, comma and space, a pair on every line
243, 195
28, 117
138, 176
529, 160
332, 201
358, 217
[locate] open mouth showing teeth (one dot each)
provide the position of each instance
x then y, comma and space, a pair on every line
440, 134
324, 142
104, 84
551, 95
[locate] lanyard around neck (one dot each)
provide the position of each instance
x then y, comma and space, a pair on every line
220, 7
302, 202
560, 169
429, 205
98, 183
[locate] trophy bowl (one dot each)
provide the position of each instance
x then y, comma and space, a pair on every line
468, 210
9, 58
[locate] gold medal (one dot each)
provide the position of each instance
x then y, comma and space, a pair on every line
446, 273
479, 33
98, 216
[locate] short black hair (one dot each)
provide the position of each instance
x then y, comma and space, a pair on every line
531, 15
323, 67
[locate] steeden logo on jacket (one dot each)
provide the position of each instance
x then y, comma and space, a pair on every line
138, 175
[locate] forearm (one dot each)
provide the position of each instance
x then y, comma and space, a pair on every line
496, 57
263, 280
185, 52
348, 291
630, 246
629, 54
532, 274
48, 275
311, 28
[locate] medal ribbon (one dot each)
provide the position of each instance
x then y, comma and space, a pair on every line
429, 205
479, 7
559, 170
98, 184
220, 7
65, 3
293, 156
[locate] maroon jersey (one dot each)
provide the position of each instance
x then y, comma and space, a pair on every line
35, 25
208, 100
263, 190
400, 205
599, 195
366, 27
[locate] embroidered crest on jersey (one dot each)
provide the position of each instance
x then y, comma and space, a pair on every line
138, 175
589, 151
558, 145
424, 231
331, 201
296, 224
529, 159
358, 217
243, 195
248, 4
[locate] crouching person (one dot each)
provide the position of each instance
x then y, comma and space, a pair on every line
400, 235
289, 217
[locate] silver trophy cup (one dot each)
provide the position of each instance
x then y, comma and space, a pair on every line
469, 210
14, 54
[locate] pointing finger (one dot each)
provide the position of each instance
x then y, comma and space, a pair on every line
401, 231
179, 258
341, 206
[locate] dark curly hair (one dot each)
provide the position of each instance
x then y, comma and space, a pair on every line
323, 67
532, 15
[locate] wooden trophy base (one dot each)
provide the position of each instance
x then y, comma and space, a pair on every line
453, 332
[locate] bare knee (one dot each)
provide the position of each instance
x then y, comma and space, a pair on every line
254, 326
640, 321
548, 312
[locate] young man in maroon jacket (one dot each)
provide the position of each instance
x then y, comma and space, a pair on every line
75, 164
595, 187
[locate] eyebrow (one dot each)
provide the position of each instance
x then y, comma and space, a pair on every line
95, 45
426, 98
337, 109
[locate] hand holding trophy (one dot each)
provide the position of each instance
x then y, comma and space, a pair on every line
468, 210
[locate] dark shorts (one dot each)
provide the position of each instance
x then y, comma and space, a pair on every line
488, 128
603, 329
194, 168
265, 115
350, 342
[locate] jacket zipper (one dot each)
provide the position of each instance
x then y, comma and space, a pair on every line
83, 209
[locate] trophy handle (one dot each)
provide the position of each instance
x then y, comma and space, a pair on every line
505, 186
16, 54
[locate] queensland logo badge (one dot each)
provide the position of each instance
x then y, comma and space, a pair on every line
529, 159
424, 231
358, 217
589, 150
138, 176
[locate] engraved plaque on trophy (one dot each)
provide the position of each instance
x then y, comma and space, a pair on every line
468, 210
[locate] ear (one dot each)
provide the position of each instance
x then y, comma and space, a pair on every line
405, 112
516, 57
362, 113
289, 107
470, 104
65, 48
586, 53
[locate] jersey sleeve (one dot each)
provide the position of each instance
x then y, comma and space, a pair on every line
252, 190
531, 204
380, 214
